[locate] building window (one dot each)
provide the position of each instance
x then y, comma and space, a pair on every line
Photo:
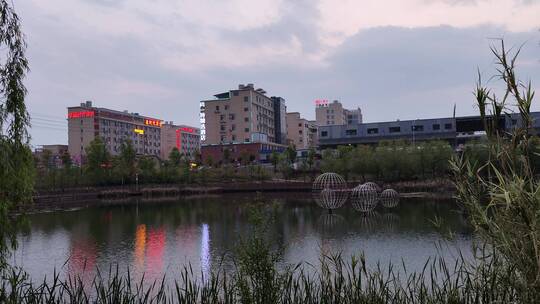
394, 129
448, 126
350, 132
372, 131
246, 109
246, 129
324, 133
246, 119
217, 108
436, 127
417, 128
299, 124
226, 107
514, 122
233, 127
222, 127
246, 98
233, 137
299, 131
231, 116
246, 139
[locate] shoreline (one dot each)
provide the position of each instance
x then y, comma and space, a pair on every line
65, 199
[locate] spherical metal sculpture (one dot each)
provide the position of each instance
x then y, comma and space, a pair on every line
330, 191
364, 198
389, 198
373, 186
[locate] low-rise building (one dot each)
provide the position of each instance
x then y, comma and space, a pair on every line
186, 139
301, 132
231, 153
333, 113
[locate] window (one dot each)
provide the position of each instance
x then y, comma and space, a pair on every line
372, 131
394, 129
350, 132
226, 107
246, 119
246, 98
231, 116
299, 131
246, 129
324, 133
217, 108
436, 127
300, 124
221, 117
448, 126
233, 137
233, 127
246, 109
417, 128
222, 127
514, 122
246, 139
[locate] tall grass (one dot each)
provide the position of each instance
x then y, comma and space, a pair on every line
338, 280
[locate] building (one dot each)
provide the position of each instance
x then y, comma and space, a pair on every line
327, 114
244, 115
86, 122
53, 153
456, 130
301, 132
239, 152
187, 139
280, 120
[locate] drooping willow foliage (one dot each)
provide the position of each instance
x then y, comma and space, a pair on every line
16, 169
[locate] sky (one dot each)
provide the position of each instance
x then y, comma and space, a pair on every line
395, 59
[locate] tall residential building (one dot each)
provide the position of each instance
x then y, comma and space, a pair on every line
333, 113
301, 132
187, 139
280, 119
244, 115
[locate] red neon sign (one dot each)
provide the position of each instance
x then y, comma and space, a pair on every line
152, 122
321, 102
185, 129
81, 114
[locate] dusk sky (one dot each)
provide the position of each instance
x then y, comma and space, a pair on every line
394, 59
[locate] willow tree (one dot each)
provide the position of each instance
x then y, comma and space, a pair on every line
16, 163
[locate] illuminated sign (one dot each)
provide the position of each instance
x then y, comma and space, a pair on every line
152, 122
188, 130
138, 131
321, 102
81, 114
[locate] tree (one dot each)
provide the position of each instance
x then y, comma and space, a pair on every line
274, 158
16, 161
310, 161
128, 158
98, 162
66, 160
226, 156
290, 152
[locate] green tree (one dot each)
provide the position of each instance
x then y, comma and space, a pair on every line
226, 156
98, 162
128, 159
16, 161
66, 160
175, 158
147, 168
274, 158
290, 152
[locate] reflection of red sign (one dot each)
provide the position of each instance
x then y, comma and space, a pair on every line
152, 122
321, 102
81, 114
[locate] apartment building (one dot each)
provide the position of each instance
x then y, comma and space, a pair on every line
243, 115
333, 113
280, 120
186, 138
301, 132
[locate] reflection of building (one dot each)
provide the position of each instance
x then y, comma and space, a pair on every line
86, 122
187, 139
155, 248
301, 132
244, 115
140, 244
333, 113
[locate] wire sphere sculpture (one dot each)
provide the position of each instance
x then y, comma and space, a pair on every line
372, 185
389, 198
364, 198
330, 199
330, 191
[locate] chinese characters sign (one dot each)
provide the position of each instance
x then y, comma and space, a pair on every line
81, 114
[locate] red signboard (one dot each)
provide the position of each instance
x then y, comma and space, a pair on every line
321, 102
186, 129
152, 122
80, 114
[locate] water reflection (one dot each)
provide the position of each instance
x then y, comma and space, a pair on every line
161, 237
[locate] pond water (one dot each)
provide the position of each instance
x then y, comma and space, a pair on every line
158, 237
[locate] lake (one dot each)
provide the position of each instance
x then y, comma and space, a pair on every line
162, 235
